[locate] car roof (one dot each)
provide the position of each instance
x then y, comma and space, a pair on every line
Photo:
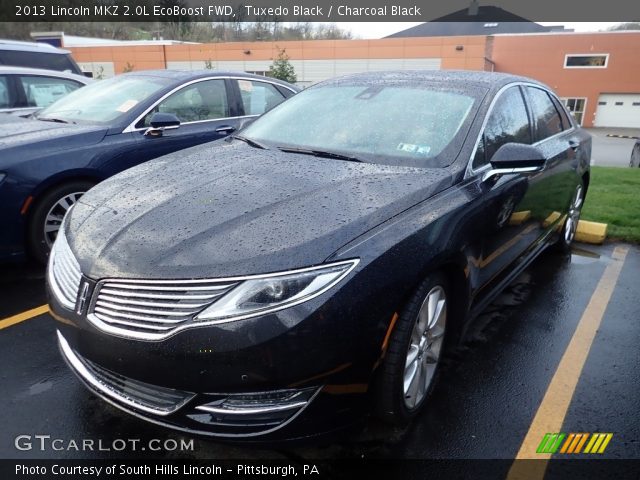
7, 70
459, 78
180, 75
30, 47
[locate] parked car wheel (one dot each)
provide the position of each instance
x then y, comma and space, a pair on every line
570, 226
47, 215
411, 366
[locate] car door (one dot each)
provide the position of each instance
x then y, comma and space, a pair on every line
553, 134
511, 226
206, 113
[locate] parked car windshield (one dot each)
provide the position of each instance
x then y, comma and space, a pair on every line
402, 124
105, 101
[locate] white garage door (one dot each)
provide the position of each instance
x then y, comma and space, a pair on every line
618, 110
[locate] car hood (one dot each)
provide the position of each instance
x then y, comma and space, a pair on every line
17, 132
230, 209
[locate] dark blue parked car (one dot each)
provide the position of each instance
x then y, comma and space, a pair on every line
49, 161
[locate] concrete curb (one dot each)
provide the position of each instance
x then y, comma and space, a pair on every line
591, 232
622, 136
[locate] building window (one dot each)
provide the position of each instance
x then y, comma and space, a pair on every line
576, 106
263, 73
586, 60
619, 104
635, 104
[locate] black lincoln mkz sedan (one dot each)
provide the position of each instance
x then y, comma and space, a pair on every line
278, 283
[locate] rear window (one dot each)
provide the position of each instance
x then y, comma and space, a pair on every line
49, 61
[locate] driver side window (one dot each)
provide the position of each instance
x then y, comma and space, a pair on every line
206, 100
508, 122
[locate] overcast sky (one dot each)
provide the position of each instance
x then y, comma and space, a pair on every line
382, 29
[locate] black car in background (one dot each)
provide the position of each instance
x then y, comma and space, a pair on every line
48, 161
281, 285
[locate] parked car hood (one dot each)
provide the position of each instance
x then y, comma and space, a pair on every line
229, 209
18, 132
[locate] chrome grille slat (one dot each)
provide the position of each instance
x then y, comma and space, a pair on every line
163, 288
65, 274
158, 296
134, 326
135, 316
126, 308
137, 308
142, 303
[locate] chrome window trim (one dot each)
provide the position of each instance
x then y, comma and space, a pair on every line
470, 171
132, 126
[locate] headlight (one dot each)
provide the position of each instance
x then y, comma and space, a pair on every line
269, 293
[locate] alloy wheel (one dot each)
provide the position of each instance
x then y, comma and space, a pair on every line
56, 214
425, 347
573, 217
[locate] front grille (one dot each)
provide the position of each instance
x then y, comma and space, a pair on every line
152, 309
142, 396
64, 273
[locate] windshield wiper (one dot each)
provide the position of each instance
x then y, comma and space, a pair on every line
52, 119
320, 153
249, 141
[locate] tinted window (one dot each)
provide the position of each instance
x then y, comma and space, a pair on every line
48, 61
508, 122
387, 122
4, 93
546, 119
43, 91
258, 97
566, 123
205, 100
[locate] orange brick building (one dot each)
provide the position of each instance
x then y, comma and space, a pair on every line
597, 74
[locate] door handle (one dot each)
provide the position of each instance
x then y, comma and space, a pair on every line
225, 129
575, 145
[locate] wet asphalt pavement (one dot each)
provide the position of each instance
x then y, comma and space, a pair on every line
490, 391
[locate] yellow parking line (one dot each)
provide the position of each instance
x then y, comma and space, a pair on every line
553, 408
21, 317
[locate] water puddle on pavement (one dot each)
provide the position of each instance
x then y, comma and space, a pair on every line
581, 256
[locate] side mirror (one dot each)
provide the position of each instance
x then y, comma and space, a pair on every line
161, 122
516, 158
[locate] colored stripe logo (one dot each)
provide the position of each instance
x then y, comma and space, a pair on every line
574, 443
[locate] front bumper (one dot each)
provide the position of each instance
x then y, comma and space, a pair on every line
297, 373
221, 415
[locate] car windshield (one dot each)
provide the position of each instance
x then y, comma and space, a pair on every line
104, 101
413, 124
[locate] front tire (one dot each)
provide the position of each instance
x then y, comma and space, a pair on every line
411, 367
47, 214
